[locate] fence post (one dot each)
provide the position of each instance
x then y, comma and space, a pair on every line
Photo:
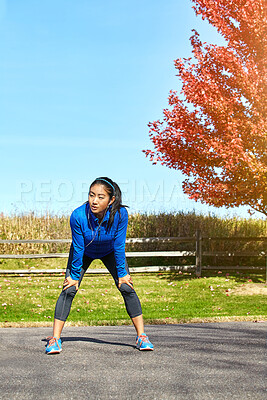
198, 253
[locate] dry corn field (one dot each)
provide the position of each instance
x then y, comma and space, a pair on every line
32, 226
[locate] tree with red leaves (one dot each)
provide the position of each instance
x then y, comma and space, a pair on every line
215, 132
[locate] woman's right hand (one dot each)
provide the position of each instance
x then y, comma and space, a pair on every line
126, 279
68, 282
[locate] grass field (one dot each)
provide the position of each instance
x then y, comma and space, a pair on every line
165, 298
40, 263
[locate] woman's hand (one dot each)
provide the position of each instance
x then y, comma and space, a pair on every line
126, 279
68, 282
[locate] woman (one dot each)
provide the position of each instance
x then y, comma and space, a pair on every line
98, 232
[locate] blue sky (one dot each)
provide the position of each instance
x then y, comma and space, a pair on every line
79, 82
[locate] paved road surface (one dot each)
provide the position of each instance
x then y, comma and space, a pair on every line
194, 361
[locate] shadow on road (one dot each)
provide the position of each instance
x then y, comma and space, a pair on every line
91, 340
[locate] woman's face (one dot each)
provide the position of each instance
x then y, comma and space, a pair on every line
99, 199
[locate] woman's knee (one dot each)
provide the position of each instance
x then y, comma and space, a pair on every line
70, 291
126, 289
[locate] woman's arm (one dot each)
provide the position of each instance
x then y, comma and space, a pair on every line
119, 243
78, 247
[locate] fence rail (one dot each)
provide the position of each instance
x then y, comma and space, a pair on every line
198, 239
128, 240
128, 254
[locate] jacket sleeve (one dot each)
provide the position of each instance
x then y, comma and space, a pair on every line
119, 243
78, 247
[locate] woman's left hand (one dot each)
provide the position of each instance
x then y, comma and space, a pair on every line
126, 279
68, 282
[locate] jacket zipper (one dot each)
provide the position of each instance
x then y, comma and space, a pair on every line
99, 231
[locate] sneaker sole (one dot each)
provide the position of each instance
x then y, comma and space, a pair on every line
53, 352
145, 349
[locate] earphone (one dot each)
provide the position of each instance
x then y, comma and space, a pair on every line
111, 202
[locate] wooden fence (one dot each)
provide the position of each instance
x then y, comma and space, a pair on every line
197, 253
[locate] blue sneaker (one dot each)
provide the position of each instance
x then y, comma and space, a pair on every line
53, 346
143, 343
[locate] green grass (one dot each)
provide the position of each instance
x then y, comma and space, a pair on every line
40, 263
165, 298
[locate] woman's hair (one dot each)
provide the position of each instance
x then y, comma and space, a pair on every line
113, 190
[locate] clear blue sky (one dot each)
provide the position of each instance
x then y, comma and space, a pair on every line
79, 82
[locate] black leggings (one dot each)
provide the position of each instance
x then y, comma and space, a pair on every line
66, 297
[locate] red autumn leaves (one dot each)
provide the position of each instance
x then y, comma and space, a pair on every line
215, 130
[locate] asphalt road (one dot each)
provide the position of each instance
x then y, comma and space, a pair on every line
192, 361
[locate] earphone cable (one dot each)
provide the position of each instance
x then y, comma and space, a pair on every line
98, 228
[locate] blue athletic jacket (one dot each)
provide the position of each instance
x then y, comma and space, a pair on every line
105, 241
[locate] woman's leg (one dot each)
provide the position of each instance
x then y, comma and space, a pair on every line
131, 300
139, 324
57, 328
66, 297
